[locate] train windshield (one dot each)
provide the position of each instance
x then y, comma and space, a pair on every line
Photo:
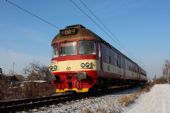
87, 47
55, 50
68, 48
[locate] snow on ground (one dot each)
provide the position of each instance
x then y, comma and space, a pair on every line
104, 104
155, 101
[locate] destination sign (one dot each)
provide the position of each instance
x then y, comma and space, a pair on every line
70, 31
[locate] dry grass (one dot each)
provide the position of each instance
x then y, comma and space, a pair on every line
130, 99
147, 87
86, 111
101, 110
98, 110
127, 100
160, 80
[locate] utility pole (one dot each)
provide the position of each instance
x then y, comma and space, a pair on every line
13, 67
168, 75
168, 72
155, 77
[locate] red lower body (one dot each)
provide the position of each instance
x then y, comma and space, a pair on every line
75, 81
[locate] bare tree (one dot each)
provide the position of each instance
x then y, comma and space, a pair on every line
166, 70
1, 72
35, 71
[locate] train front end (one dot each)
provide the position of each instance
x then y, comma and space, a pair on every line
74, 63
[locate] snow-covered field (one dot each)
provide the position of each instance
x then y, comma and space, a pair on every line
104, 104
155, 101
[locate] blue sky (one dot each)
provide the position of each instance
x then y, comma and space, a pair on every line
142, 26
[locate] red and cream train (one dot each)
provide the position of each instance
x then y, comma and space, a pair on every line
83, 61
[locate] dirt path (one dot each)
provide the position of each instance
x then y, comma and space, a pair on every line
155, 101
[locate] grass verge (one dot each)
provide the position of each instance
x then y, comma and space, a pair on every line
130, 99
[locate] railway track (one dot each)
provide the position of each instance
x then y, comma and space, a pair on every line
32, 103
26, 104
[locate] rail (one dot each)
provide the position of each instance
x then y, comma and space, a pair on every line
27, 104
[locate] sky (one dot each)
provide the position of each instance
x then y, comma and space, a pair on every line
141, 26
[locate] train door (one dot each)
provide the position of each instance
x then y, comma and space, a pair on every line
122, 67
139, 71
119, 63
100, 57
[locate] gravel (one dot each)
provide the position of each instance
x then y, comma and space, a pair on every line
103, 104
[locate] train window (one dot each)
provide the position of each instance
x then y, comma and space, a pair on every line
68, 48
87, 47
118, 61
55, 50
107, 56
125, 64
115, 58
130, 65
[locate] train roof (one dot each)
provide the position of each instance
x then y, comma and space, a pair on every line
77, 32
74, 32
80, 32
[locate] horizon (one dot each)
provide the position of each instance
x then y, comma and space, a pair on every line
141, 27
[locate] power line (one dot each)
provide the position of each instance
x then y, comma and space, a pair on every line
92, 13
32, 14
98, 19
104, 28
91, 18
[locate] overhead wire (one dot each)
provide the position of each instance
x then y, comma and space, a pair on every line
92, 13
104, 27
118, 41
32, 14
90, 18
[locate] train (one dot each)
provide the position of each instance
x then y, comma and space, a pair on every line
82, 61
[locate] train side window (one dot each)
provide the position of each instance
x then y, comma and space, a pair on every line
133, 67
118, 61
127, 65
107, 57
130, 66
122, 64
114, 58
110, 59
136, 69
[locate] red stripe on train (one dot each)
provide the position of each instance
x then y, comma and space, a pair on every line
73, 72
74, 57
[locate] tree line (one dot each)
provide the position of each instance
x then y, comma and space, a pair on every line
166, 70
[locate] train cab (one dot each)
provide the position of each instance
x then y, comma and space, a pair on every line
74, 60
